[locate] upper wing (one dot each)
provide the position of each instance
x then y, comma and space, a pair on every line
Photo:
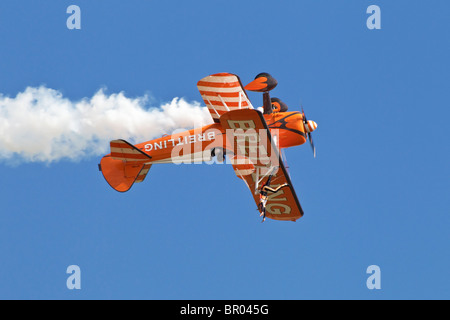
252, 142
223, 92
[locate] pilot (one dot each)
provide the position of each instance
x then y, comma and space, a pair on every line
278, 105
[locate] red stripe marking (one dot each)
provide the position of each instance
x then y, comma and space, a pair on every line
219, 84
220, 112
222, 74
222, 94
121, 145
229, 104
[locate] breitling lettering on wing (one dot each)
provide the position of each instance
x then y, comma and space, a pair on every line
208, 136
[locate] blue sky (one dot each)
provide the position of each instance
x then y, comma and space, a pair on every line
377, 193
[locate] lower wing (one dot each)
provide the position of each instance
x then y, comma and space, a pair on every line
256, 159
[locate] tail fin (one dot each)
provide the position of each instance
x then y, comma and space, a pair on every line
124, 166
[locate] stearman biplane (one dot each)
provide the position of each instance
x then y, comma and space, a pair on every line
250, 138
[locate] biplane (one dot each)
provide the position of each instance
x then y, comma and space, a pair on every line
249, 139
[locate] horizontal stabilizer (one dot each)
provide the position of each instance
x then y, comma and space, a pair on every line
143, 173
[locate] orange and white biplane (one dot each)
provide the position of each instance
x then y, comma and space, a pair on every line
251, 140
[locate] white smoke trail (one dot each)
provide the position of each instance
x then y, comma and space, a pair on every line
40, 124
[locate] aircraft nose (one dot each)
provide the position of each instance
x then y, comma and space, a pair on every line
310, 126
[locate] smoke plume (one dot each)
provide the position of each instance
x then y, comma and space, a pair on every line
40, 124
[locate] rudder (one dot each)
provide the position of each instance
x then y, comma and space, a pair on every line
124, 166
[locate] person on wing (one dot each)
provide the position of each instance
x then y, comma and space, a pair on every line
263, 195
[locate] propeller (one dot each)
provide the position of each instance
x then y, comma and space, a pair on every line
309, 127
